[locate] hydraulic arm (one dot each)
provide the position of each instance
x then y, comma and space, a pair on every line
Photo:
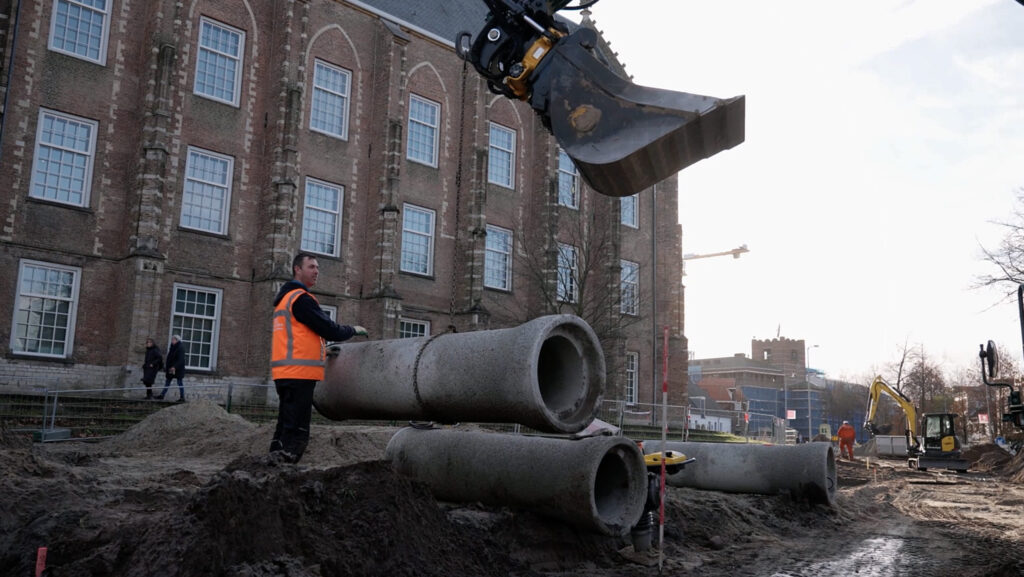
879, 386
622, 137
990, 371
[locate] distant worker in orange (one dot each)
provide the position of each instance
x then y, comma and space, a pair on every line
846, 434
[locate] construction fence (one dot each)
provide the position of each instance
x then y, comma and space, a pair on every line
61, 414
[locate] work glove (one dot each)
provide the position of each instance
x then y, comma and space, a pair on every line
361, 331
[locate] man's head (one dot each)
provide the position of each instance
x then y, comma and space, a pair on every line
175, 339
305, 269
846, 422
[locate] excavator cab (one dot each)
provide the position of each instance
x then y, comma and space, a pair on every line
941, 444
622, 137
940, 433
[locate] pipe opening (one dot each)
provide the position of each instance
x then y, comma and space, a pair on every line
560, 375
612, 489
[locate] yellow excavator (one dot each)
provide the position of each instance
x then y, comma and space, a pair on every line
622, 137
941, 448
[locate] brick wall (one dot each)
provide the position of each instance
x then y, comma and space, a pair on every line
132, 249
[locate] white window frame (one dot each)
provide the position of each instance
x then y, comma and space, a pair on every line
205, 52
567, 290
630, 218
632, 377
568, 181
309, 243
52, 272
409, 234
63, 152
76, 52
190, 200
405, 323
318, 108
420, 124
495, 256
496, 151
629, 288
178, 328
331, 311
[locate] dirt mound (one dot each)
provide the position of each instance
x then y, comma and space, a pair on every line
1015, 468
261, 519
988, 458
196, 428
201, 428
18, 457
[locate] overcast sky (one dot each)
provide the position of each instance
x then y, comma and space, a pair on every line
883, 138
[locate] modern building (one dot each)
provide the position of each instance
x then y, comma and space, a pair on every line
772, 381
161, 163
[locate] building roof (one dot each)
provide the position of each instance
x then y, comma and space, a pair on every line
721, 389
737, 362
443, 19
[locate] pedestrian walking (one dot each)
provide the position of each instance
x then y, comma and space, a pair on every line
151, 366
174, 367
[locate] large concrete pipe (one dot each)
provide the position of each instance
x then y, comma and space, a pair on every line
595, 483
806, 471
547, 374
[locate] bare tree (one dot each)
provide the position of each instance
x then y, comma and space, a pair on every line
926, 385
1008, 257
575, 270
913, 376
843, 400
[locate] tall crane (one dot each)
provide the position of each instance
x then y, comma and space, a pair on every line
736, 252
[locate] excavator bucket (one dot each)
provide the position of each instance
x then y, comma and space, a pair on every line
623, 137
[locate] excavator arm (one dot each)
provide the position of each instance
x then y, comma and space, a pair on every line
879, 386
622, 137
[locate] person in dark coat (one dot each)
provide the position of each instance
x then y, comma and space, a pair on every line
174, 366
151, 366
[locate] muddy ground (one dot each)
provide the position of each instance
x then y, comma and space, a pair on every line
188, 492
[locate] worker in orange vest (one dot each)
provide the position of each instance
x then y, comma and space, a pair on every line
298, 354
846, 434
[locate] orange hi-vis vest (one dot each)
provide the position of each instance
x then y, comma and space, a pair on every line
297, 352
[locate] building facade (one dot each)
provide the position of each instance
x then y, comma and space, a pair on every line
162, 162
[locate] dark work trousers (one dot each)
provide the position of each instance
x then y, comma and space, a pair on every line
293, 415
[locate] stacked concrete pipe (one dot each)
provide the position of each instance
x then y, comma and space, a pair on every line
806, 471
597, 483
547, 374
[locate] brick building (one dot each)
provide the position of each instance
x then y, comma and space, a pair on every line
787, 355
161, 162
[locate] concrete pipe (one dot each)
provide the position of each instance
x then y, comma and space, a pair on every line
596, 483
547, 374
806, 471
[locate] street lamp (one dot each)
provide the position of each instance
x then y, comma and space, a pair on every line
807, 378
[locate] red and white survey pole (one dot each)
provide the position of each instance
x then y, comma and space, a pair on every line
664, 454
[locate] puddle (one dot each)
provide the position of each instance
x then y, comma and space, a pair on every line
878, 557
